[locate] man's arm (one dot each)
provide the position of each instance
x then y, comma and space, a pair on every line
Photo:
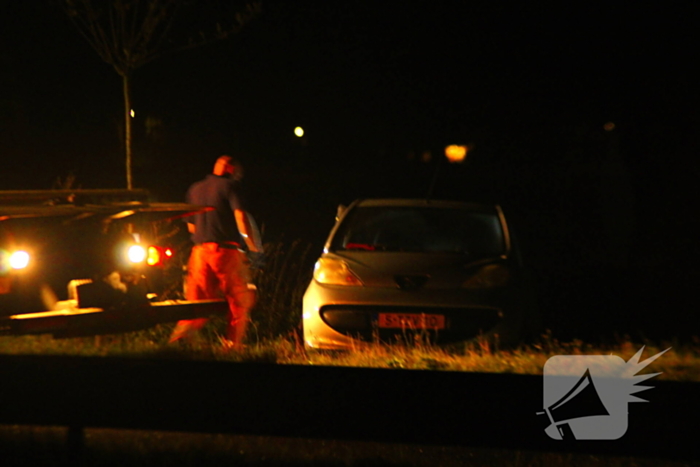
246, 230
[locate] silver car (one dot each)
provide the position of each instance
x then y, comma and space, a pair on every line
412, 269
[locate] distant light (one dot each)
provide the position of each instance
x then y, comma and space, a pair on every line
299, 131
456, 152
426, 156
132, 113
610, 126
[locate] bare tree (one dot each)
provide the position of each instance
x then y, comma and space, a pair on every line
127, 34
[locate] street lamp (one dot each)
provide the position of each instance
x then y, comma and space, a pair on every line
456, 153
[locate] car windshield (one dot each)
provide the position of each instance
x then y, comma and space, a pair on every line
421, 229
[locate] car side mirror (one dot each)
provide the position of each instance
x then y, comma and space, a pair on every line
341, 210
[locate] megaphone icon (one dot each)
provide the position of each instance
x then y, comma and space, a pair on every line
582, 400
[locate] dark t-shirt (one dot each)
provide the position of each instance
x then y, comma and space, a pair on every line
218, 225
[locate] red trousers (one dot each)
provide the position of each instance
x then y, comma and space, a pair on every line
213, 271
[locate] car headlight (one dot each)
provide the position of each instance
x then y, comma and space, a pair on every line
334, 272
491, 275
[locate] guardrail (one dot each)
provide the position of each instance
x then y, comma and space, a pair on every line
407, 406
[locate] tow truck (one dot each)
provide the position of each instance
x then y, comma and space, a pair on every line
79, 263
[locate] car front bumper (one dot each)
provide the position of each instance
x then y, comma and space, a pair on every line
340, 317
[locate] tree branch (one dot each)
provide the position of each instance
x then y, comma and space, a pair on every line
130, 33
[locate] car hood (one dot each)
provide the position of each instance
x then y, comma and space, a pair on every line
442, 270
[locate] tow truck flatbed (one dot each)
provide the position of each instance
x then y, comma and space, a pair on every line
81, 322
97, 261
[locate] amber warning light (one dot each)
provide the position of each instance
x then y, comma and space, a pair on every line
456, 153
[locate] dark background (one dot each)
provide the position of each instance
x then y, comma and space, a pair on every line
606, 218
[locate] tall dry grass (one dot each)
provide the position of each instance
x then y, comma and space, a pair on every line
681, 363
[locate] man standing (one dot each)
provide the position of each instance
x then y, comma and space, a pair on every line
217, 262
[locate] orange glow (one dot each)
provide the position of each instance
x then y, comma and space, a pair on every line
5, 285
610, 126
456, 152
153, 258
335, 272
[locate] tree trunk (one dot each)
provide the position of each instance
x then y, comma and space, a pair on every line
127, 127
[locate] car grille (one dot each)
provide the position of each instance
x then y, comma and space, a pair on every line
362, 322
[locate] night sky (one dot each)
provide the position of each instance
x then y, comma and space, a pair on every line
606, 218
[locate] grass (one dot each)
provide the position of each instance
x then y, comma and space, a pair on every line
680, 363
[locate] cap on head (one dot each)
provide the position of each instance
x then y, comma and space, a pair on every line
227, 165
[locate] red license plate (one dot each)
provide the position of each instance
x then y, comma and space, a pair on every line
411, 321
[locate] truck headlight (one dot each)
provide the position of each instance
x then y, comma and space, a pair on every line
19, 260
136, 254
